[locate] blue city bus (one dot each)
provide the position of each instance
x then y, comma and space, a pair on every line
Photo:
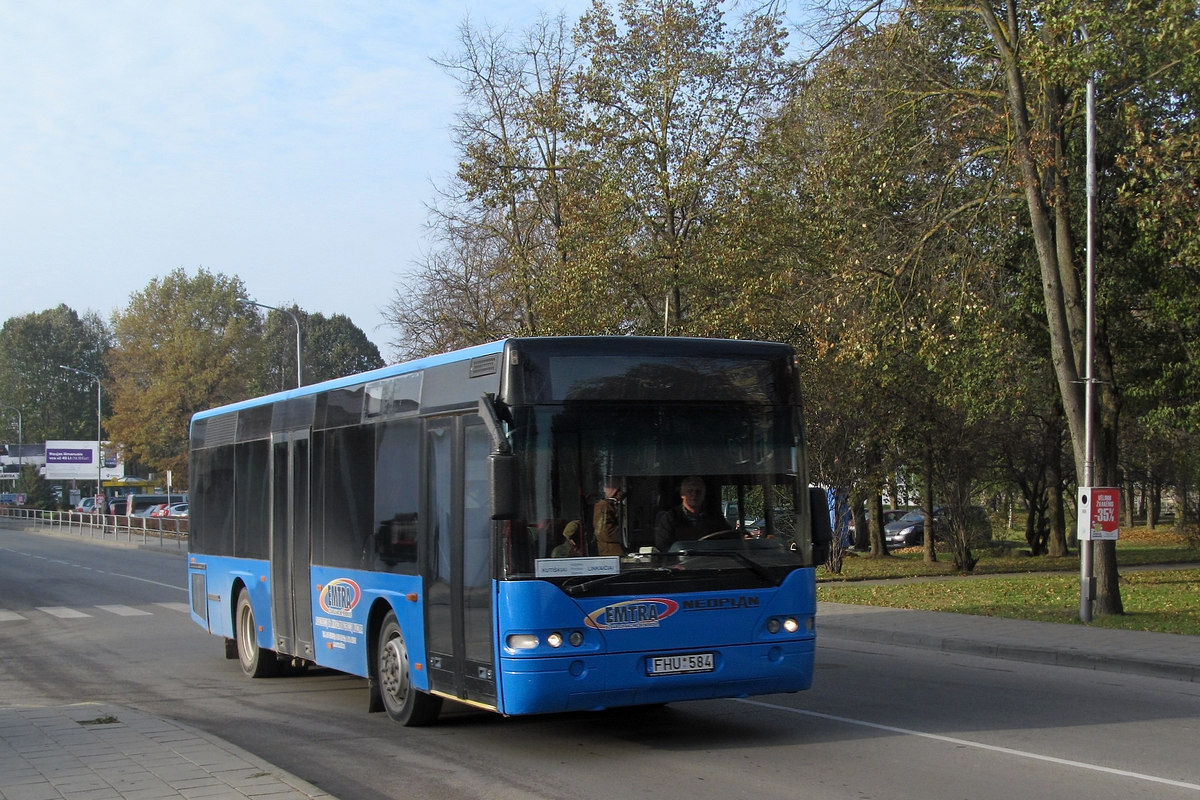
431, 526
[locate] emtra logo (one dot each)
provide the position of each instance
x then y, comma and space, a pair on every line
340, 596
632, 614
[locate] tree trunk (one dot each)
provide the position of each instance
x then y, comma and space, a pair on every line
927, 504
1064, 301
1057, 547
878, 546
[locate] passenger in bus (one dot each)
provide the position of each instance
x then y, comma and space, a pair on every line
570, 543
690, 520
608, 518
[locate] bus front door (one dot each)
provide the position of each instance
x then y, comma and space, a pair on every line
458, 598
291, 544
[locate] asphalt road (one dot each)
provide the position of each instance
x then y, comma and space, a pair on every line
81, 621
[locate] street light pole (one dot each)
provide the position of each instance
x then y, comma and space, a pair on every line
1087, 580
20, 439
99, 455
295, 319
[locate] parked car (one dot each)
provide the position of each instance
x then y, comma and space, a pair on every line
890, 515
86, 505
177, 510
908, 530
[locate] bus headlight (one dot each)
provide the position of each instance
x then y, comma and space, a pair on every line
788, 624
522, 641
532, 641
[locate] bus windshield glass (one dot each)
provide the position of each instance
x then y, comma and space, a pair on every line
604, 489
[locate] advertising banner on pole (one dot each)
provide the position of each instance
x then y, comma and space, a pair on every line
1099, 519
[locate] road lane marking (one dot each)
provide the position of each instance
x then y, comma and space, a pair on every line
937, 737
62, 612
89, 568
181, 607
124, 611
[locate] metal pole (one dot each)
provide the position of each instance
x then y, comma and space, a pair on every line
295, 319
99, 454
1086, 550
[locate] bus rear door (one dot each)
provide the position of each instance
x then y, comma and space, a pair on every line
291, 544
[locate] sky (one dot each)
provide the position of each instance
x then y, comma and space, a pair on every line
294, 144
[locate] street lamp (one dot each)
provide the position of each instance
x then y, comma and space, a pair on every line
295, 319
99, 455
20, 438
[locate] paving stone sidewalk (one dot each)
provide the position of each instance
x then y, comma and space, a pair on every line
106, 752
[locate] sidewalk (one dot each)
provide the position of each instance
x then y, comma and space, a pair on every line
105, 752
1159, 655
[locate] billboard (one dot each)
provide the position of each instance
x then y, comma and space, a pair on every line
73, 460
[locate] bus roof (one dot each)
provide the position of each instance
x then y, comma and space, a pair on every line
596, 344
362, 377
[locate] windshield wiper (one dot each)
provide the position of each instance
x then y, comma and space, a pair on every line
745, 560
577, 588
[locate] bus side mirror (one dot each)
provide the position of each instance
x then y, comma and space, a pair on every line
822, 527
502, 477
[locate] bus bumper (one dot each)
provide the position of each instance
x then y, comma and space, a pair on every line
591, 681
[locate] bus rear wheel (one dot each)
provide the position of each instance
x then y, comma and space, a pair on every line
403, 702
257, 662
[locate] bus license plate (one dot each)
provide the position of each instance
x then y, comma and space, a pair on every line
679, 665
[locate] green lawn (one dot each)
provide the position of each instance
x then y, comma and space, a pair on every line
1006, 584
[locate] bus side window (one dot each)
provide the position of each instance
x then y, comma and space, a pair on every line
397, 500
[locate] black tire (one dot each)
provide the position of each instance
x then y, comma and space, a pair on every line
403, 702
257, 662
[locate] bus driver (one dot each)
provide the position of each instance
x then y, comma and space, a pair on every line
688, 521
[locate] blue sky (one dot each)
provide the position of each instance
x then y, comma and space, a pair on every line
294, 144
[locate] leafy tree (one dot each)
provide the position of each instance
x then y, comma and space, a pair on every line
497, 224
673, 101
330, 348
32, 348
1028, 62
455, 299
38, 491
182, 344
1158, 203
337, 347
603, 180
906, 306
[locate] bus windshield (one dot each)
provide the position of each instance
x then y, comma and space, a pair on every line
604, 484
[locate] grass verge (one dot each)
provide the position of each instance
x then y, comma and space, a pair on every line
1164, 598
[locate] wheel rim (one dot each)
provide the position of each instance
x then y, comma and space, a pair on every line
393, 670
246, 639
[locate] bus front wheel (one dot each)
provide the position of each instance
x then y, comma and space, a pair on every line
403, 702
257, 662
